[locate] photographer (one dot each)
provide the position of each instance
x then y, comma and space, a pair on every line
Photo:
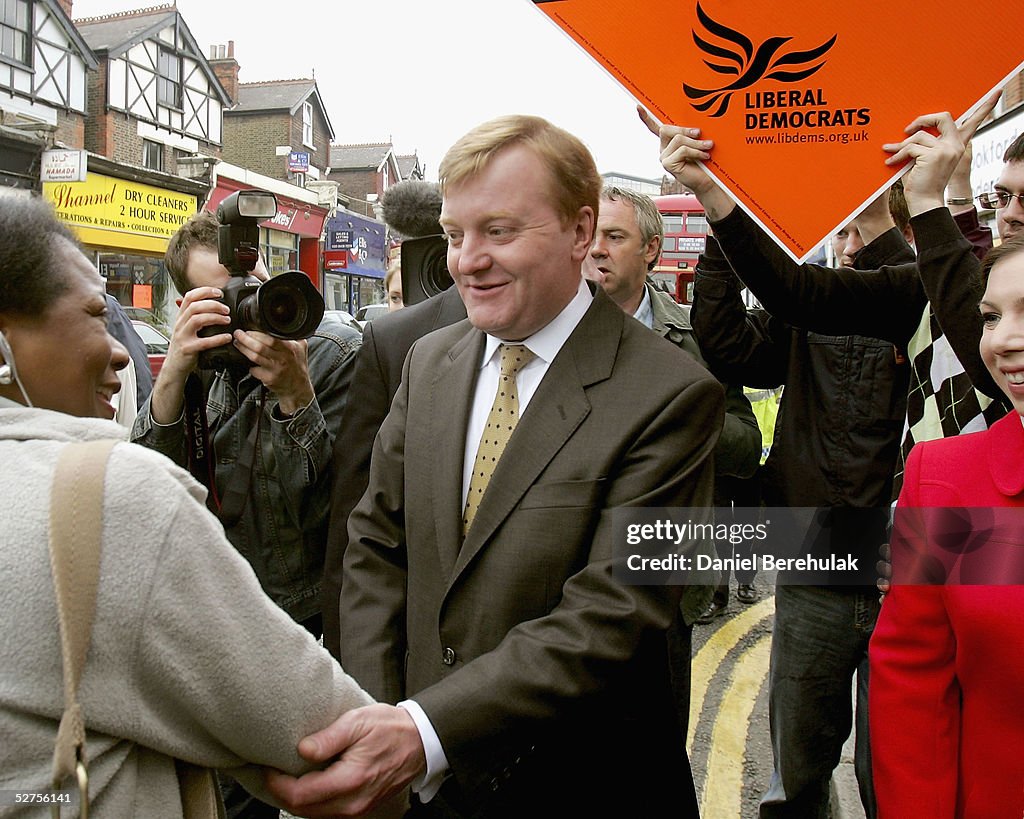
271, 422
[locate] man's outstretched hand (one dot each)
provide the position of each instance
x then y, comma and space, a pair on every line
380, 754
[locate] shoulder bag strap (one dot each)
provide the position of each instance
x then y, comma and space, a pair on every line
76, 527
76, 532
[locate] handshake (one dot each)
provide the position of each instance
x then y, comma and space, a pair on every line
371, 754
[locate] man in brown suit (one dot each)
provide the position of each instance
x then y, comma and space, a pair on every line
530, 681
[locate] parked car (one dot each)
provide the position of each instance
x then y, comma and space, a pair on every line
345, 317
367, 313
147, 316
156, 344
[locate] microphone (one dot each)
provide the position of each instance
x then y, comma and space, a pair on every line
412, 208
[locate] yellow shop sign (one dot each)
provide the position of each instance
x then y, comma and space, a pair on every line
104, 210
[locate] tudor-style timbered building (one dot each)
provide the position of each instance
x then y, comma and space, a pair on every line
155, 97
152, 100
44, 64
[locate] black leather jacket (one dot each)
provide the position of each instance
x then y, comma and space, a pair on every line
840, 422
838, 430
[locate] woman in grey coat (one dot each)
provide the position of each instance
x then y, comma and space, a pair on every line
189, 658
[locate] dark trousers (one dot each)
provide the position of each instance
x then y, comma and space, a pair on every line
819, 643
745, 496
240, 804
680, 648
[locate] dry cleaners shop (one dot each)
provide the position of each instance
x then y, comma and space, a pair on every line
125, 226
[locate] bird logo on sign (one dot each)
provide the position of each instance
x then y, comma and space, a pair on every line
741, 60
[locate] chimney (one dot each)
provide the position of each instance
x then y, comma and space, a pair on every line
222, 61
66, 6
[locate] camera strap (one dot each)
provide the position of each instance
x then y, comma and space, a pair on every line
197, 435
201, 458
237, 489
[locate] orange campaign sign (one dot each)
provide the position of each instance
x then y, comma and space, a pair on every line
798, 95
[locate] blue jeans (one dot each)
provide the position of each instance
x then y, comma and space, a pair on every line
819, 641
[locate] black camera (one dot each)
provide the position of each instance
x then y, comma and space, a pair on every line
424, 268
285, 306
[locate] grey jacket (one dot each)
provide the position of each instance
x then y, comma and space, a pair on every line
188, 659
282, 531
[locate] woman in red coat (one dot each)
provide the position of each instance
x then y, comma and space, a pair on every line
947, 659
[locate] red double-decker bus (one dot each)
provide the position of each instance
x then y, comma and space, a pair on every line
686, 228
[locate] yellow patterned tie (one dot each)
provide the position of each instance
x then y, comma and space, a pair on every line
500, 423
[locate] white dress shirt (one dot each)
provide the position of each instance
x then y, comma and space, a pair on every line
645, 310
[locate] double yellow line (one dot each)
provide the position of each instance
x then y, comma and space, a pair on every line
723, 785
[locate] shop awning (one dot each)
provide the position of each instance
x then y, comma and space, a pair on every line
293, 216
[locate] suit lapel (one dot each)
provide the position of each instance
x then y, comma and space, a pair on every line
555, 412
450, 308
451, 396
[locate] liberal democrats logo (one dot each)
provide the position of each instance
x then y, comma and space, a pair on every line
739, 59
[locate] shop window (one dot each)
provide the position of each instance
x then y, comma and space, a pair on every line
141, 284
280, 250
334, 293
16, 30
168, 84
370, 291
152, 155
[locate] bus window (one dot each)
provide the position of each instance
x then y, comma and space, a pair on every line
686, 228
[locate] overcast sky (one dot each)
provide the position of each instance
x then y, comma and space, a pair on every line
423, 72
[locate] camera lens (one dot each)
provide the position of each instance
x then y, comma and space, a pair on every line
287, 306
435, 275
283, 312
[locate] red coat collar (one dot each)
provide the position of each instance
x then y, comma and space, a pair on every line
1006, 454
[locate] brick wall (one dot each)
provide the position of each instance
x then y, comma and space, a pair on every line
356, 185
320, 154
250, 142
109, 132
96, 138
70, 130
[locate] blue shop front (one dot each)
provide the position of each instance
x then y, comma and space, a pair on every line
355, 260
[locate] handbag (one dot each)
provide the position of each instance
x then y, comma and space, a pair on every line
76, 529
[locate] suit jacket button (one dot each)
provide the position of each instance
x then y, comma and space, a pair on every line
448, 656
